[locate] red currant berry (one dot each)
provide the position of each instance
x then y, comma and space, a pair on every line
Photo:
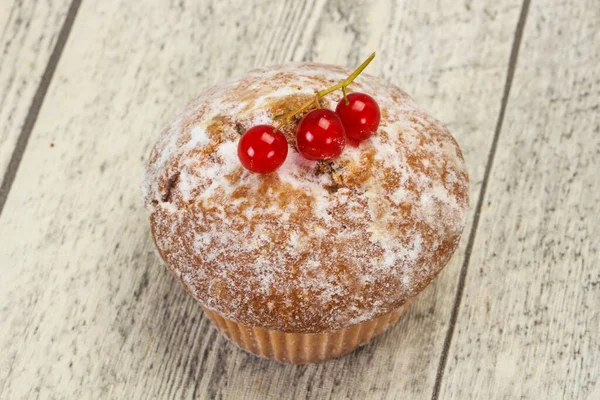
262, 149
320, 135
360, 116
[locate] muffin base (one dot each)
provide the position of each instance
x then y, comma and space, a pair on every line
304, 348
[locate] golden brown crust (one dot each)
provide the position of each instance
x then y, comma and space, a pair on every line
315, 246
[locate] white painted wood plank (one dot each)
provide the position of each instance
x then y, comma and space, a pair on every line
529, 323
28, 33
88, 310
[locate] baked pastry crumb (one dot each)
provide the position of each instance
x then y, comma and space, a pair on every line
316, 245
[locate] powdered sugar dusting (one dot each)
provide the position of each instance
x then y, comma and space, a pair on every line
314, 246
199, 138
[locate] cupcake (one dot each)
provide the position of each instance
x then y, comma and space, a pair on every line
308, 255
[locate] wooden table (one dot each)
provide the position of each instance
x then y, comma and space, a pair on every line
86, 309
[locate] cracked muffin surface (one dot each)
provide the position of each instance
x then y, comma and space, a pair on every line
316, 245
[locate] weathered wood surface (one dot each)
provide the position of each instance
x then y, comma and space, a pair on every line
29, 30
529, 322
87, 309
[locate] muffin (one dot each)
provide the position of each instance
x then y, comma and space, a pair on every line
318, 257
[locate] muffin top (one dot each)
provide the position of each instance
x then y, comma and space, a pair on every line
316, 245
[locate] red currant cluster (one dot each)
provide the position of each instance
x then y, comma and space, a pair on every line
321, 134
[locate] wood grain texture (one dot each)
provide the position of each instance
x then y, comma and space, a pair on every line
87, 309
28, 33
529, 323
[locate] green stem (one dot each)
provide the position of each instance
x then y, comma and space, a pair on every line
294, 112
348, 80
342, 85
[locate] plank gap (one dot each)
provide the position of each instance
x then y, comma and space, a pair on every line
514, 55
36, 104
